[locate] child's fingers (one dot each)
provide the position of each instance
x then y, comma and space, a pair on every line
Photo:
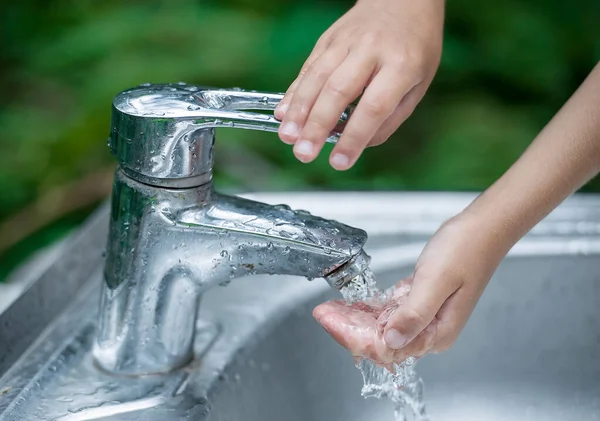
453, 316
343, 86
426, 297
307, 91
319, 49
378, 102
399, 116
420, 346
353, 327
284, 104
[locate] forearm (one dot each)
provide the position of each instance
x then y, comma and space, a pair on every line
563, 157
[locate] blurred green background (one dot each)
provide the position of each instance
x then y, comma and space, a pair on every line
507, 67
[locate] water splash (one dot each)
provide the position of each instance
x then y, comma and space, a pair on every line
362, 288
404, 388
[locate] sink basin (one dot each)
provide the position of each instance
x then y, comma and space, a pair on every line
531, 351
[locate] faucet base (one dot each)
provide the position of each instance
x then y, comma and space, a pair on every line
207, 332
78, 391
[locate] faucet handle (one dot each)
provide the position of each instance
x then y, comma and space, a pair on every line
164, 134
238, 100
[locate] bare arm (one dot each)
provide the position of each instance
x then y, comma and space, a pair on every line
563, 157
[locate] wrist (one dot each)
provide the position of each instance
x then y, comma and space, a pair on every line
489, 227
434, 8
465, 248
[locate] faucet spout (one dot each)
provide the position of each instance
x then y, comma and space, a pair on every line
255, 238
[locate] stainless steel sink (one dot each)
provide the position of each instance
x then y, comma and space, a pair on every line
531, 351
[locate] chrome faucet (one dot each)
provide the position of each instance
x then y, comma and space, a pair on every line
172, 236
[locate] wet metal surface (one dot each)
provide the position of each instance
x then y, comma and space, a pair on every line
167, 247
172, 237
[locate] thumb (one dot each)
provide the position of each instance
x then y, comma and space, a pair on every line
417, 310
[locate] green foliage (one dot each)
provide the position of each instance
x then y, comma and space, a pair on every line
507, 67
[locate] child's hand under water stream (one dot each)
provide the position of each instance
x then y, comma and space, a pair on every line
359, 327
426, 311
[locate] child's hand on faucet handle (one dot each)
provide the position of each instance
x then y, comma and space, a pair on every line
388, 48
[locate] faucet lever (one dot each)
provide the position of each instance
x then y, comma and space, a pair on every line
240, 100
163, 135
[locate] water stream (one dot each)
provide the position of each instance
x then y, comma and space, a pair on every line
405, 387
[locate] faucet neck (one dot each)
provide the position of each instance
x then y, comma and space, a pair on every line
185, 161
